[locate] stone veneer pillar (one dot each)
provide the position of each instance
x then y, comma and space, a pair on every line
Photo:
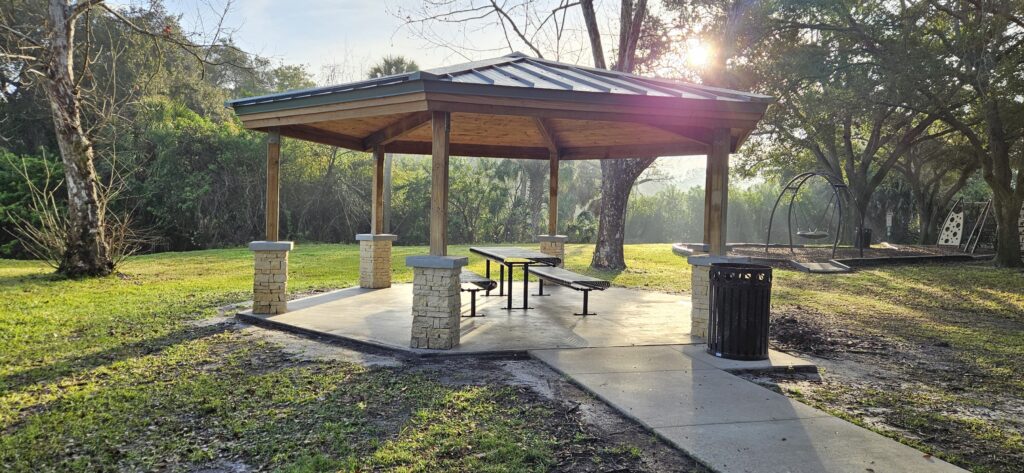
700, 305
375, 259
700, 289
553, 245
436, 301
270, 279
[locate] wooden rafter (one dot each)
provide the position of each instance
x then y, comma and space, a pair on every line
396, 130
548, 133
693, 133
317, 135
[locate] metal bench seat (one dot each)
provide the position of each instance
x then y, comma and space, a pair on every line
473, 283
566, 278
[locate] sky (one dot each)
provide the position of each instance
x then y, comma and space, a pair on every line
349, 36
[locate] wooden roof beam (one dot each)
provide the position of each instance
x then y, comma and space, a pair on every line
693, 133
396, 130
548, 133
317, 135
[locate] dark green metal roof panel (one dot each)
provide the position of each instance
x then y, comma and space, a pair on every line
516, 76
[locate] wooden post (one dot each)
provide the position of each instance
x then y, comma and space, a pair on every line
553, 195
716, 193
441, 122
273, 183
377, 207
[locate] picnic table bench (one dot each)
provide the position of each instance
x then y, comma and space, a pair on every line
473, 283
566, 278
511, 256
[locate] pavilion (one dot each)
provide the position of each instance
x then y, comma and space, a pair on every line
513, 106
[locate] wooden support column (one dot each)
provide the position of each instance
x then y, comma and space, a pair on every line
377, 207
547, 132
273, 207
716, 193
441, 122
553, 195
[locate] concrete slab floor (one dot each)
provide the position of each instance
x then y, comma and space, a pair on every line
382, 317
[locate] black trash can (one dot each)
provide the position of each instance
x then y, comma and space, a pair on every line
863, 239
740, 302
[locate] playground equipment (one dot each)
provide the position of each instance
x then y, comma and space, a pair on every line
968, 214
820, 229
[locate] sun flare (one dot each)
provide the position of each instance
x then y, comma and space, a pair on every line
697, 54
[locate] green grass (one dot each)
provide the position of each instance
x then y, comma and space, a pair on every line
109, 374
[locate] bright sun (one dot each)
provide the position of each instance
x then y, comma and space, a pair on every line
697, 54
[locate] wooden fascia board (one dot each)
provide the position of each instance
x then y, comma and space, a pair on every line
437, 89
633, 115
368, 108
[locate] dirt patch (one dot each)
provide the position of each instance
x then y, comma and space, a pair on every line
603, 440
609, 442
922, 392
816, 333
824, 253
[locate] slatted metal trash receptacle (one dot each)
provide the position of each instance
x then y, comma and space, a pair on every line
740, 303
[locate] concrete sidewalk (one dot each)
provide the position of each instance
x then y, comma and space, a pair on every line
731, 425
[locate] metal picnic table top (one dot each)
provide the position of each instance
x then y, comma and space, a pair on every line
506, 254
512, 256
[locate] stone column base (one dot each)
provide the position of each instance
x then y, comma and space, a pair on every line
436, 301
700, 303
270, 281
375, 260
553, 245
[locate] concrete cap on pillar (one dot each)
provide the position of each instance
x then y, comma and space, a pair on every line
271, 245
376, 237
706, 260
438, 262
555, 238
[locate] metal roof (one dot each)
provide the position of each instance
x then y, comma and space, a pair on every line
512, 75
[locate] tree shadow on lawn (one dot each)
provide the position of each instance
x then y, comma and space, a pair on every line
69, 367
32, 278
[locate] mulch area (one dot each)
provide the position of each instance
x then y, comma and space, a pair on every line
821, 253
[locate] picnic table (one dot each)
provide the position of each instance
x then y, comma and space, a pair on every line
510, 257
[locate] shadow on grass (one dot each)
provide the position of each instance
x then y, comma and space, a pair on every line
32, 278
63, 368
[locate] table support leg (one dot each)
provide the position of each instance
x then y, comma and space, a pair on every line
526, 286
540, 288
501, 284
586, 299
487, 275
508, 305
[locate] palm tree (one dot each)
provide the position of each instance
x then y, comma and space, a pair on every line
390, 65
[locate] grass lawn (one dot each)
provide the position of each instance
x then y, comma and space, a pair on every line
115, 373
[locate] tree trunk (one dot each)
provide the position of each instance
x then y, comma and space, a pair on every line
87, 252
929, 224
617, 178
1007, 213
537, 174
